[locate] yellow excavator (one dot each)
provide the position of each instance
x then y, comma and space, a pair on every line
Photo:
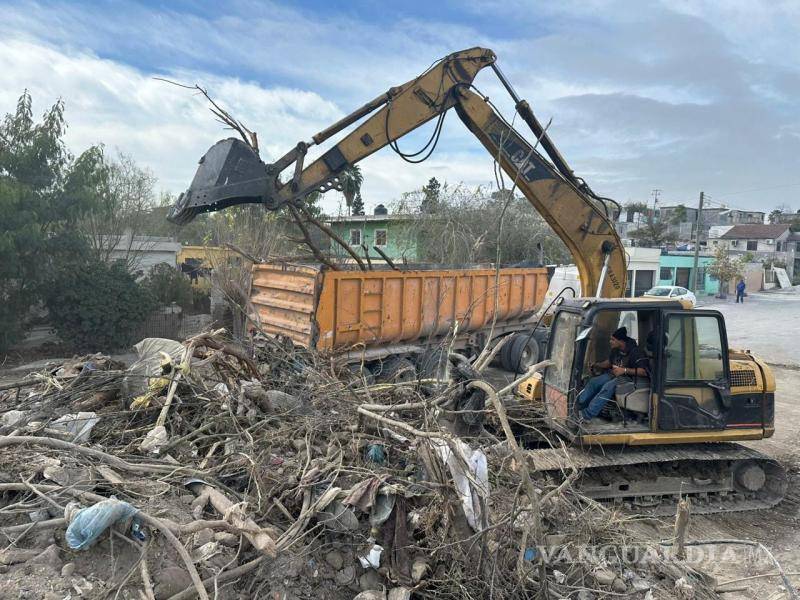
664, 435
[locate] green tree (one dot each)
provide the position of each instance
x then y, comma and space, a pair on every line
358, 205
631, 208
431, 197
679, 215
97, 306
351, 179
653, 234
725, 268
167, 285
44, 192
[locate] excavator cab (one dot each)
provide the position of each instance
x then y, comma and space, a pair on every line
681, 383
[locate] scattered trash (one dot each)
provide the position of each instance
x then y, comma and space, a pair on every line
79, 426
12, 418
266, 473
376, 454
88, 524
155, 440
373, 558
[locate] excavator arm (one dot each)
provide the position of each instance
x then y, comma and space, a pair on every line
231, 172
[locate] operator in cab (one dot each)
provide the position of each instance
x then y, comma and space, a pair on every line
624, 363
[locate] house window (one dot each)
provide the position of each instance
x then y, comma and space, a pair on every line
380, 237
752, 244
355, 237
665, 274
779, 246
734, 243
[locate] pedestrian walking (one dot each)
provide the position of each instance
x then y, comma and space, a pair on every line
740, 291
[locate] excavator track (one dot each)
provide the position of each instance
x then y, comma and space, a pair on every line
720, 477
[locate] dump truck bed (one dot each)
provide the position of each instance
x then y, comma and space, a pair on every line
337, 310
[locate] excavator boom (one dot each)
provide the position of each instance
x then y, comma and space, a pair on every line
725, 477
232, 173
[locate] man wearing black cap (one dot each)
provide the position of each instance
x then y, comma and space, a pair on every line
625, 360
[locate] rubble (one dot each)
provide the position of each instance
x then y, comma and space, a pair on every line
274, 475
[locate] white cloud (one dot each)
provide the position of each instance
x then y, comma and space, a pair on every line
675, 95
167, 129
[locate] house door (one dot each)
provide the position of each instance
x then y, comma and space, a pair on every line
682, 276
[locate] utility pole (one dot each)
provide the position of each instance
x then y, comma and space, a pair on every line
655, 193
699, 222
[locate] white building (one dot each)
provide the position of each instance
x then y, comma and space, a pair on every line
643, 265
766, 243
142, 252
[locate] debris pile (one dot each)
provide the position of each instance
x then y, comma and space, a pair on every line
209, 470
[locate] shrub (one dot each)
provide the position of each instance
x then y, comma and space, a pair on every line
98, 306
167, 285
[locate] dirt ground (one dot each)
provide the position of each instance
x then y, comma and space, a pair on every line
777, 529
767, 325
764, 325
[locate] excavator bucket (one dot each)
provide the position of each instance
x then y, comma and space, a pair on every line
229, 173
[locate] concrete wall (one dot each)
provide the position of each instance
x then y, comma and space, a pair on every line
670, 263
642, 269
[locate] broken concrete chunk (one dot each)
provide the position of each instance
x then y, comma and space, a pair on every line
338, 517
226, 538
370, 595
13, 418
170, 581
619, 586
346, 576
418, 569
203, 537
604, 576
370, 580
68, 477
279, 402
12, 556
335, 559
48, 557
399, 593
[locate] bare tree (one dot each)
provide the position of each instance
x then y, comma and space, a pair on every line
466, 228
115, 228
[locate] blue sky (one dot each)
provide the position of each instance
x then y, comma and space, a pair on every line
680, 95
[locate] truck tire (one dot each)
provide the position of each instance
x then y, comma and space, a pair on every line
523, 351
505, 353
430, 364
394, 369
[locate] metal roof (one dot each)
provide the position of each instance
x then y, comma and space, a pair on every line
755, 232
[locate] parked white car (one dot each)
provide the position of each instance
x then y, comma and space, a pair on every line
673, 292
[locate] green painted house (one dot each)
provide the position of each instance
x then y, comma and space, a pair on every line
395, 235
675, 268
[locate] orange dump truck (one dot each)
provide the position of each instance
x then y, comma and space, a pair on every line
389, 316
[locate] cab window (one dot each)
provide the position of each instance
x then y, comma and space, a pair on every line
562, 346
694, 348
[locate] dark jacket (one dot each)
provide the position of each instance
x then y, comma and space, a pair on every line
740, 287
631, 357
